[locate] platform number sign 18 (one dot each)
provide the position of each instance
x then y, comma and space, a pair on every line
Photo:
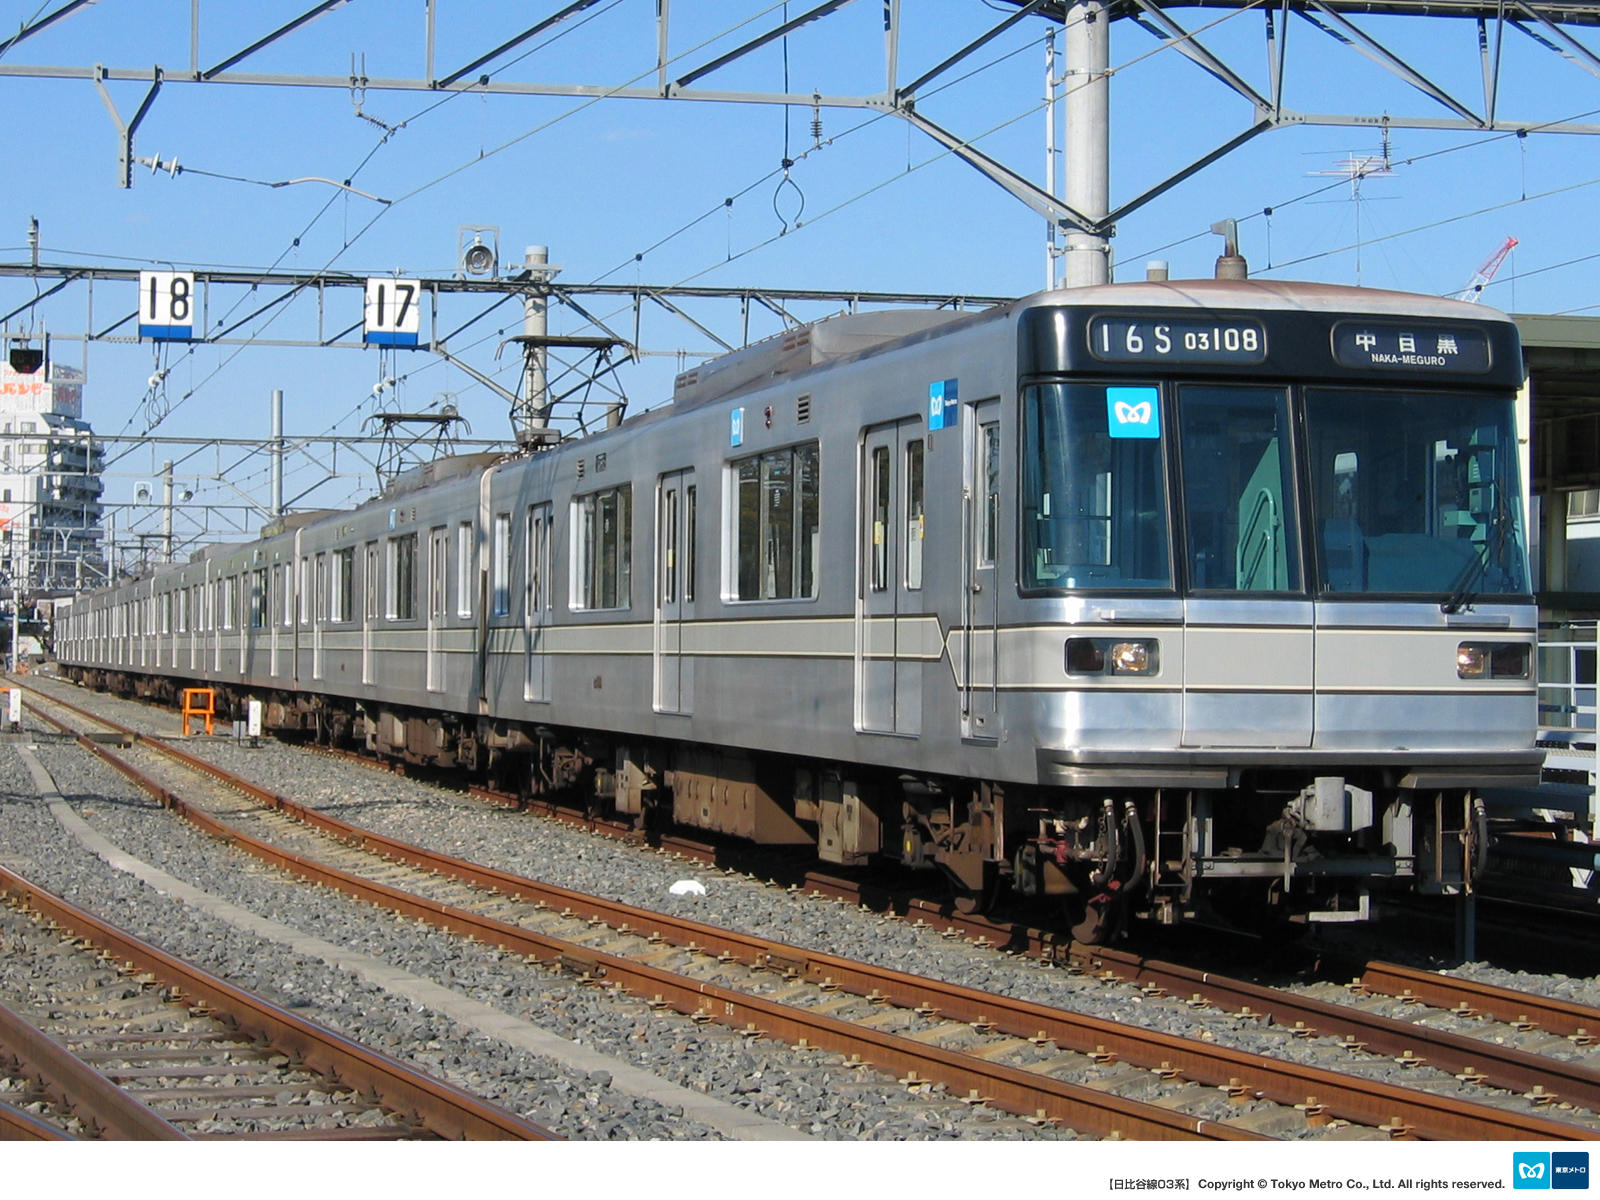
167, 303
393, 312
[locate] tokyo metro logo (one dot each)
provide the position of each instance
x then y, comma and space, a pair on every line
1562, 1171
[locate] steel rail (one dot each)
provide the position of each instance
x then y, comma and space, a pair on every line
1561, 1017
19, 1126
443, 1108
75, 1085
1405, 1110
1466, 1057
1014, 1089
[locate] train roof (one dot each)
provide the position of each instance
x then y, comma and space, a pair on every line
795, 350
849, 335
1262, 294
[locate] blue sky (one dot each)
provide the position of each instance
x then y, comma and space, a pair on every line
884, 208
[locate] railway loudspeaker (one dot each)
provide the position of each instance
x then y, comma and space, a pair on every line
479, 255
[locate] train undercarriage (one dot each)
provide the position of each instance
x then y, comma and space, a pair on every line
1273, 850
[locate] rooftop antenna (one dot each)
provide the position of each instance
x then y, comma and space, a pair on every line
1357, 168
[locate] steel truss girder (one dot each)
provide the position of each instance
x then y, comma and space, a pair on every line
1548, 24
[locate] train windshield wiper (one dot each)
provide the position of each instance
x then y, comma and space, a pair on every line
1464, 592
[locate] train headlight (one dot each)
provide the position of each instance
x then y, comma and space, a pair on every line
1107, 656
1492, 660
1131, 658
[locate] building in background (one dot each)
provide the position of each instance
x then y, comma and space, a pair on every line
50, 465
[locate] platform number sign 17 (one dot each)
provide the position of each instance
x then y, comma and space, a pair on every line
393, 312
167, 304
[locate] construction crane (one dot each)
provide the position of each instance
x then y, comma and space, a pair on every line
1481, 277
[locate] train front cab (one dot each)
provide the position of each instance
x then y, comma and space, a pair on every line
1283, 551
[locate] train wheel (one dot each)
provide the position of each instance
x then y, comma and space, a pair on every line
966, 901
1094, 921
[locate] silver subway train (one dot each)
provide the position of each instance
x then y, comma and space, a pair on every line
1178, 599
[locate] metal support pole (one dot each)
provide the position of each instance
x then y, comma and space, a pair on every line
1554, 543
535, 326
1087, 145
1050, 248
277, 452
166, 511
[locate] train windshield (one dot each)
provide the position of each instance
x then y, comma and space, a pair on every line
1238, 489
1415, 493
1094, 499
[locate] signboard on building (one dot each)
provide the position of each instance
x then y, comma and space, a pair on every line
56, 390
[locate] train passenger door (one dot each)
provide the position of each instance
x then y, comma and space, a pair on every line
537, 607
438, 592
983, 517
1248, 637
674, 671
888, 659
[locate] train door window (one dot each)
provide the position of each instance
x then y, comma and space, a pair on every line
342, 595
465, 569
258, 598
438, 574
371, 581
775, 532
230, 600
989, 527
688, 542
166, 612
602, 568
915, 514
320, 601
669, 546
402, 579
183, 610
502, 564
878, 486
305, 590
536, 571
1238, 489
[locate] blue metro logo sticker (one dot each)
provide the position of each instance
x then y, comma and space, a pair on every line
943, 409
1133, 412
1530, 1169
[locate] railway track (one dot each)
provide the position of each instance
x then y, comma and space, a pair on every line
1022, 1057
117, 1039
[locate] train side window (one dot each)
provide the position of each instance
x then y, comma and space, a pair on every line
775, 524
915, 519
305, 589
602, 565
344, 569
465, 572
402, 577
230, 600
502, 564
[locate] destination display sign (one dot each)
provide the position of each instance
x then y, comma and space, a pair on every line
1236, 340
1410, 347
